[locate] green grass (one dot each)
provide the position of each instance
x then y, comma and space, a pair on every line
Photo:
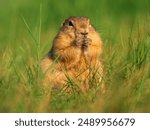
27, 29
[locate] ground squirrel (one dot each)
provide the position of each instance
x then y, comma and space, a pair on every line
75, 54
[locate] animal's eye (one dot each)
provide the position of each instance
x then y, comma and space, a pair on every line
70, 23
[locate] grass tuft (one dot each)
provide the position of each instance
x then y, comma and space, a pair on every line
126, 56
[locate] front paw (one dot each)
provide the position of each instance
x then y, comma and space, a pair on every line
86, 43
79, 42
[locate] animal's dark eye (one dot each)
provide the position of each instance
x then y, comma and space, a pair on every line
70, 23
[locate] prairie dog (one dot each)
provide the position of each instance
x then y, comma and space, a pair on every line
75, 53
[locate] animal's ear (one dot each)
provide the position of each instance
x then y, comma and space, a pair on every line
64, 22
68, 22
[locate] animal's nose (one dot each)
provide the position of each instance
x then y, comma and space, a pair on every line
84, 33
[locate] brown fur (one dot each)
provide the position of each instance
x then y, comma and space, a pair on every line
75, 53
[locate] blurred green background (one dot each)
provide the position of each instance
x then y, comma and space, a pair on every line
124, 26
103, 14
